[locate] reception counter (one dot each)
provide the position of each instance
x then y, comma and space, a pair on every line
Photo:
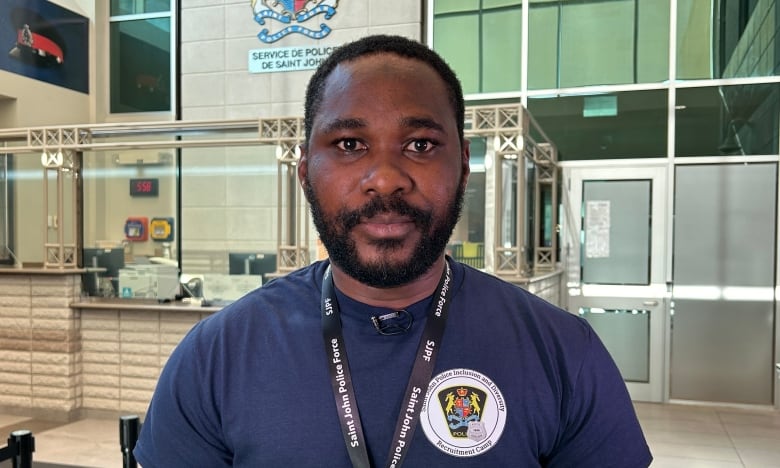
64, 356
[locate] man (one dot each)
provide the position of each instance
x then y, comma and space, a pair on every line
348, 362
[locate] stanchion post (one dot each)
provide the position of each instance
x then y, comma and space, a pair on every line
22, 445
129, 428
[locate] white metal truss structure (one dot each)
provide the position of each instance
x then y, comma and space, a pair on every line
61, 163
293, 226
61, 251
61, 147
513, 133
519, 142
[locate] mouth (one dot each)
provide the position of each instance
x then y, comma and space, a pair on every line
386, 226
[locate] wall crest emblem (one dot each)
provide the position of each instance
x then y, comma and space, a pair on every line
288, 16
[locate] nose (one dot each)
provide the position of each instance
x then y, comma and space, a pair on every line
386, 175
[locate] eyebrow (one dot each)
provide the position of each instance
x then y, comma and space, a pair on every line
422, 122
337, 124
343, 124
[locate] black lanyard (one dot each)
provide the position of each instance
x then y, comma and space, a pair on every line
341, 379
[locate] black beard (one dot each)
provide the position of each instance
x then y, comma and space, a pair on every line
384, 274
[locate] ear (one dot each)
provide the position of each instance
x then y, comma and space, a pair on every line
303, 165
465, 157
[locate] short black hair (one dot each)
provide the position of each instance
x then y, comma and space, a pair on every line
379, 44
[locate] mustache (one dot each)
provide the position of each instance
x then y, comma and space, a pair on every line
350, 218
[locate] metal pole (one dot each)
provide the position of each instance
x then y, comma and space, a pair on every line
22, 445
129, 428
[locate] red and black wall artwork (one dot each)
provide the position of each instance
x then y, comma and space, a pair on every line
43, 41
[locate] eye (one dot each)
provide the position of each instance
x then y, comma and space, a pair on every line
420, 146
350, 145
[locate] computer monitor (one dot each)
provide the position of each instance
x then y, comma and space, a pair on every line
252, 263
112, 260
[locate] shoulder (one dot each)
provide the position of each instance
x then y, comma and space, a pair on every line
497, 296
546, 337
279, 300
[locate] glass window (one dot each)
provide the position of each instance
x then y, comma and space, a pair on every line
6, 212
468, 239
616, 227
226, 239
455, 37
500, 46
481, 41
597, 43
631, 124
133, 7
140, 59
626, 335
508, 218
229, 203
580, 43
652, 41
29, 229
736, 38
727, 120
212, 213
543, 46
694, 39
130, 220
38, 201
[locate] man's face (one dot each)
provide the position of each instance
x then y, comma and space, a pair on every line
384, 170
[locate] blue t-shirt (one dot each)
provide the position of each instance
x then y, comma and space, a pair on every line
518, 382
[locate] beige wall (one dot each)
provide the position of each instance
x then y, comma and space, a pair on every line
30, 102
40, 345
216, 39
123, 352
60, 363
240, 211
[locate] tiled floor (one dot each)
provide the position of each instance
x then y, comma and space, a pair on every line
695, 436
86, 443
679, 435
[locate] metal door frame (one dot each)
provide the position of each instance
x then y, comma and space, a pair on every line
653, 297
776, 381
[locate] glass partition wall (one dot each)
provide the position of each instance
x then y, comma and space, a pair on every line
213, 209
150, 201
6, 213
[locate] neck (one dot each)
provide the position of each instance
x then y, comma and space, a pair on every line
391, 298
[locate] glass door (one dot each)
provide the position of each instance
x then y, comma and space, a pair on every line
615, 245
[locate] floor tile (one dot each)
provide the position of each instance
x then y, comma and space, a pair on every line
680, 436
89, 442
769, 444
681, 462
688, 437
699, 452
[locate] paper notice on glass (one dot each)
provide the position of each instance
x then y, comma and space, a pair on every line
597, 229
